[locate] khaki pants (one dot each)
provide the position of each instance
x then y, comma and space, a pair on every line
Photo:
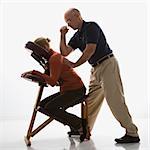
105, 82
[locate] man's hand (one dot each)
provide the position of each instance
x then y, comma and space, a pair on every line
69, 63
64, 30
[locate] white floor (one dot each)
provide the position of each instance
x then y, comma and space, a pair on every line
54, 136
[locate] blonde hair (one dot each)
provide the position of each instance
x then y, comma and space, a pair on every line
42, 42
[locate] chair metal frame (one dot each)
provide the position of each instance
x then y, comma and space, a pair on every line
42, 59
31, 132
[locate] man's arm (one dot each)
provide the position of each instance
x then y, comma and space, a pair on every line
64, 49
87, 53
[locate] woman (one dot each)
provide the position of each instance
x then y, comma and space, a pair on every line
72, 90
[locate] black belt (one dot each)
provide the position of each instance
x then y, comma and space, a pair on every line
102, 59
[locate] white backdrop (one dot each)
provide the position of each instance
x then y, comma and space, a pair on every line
125, 27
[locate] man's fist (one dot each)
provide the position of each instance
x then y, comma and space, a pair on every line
64, 30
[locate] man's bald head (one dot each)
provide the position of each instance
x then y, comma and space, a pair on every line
72, 11
73, 18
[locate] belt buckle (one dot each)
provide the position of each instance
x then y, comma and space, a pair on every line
104, 58
109, 56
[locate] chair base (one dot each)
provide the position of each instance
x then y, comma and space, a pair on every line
31, 132
27, 141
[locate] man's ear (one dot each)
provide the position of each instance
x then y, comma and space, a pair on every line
75, 14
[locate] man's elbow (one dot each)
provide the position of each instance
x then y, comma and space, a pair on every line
64, 53
92, 52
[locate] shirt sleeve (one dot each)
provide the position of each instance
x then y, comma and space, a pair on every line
55, 64
73, 42
92, 33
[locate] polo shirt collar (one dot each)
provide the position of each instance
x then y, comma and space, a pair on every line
83, 27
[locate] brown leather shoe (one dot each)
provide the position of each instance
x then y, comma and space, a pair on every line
128, 139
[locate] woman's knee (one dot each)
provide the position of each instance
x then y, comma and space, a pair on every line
42, 104
50, 107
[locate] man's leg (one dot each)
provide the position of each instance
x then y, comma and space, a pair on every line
95, 97
113, 90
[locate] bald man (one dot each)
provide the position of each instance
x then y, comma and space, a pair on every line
105, 81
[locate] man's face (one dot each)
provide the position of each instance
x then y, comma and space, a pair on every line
72, 20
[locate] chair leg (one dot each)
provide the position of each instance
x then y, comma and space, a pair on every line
45, 123
82, 110
27, 137
84, 115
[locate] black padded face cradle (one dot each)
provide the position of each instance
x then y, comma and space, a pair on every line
38, 50
40, 54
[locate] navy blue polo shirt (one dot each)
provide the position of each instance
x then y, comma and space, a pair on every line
91, 33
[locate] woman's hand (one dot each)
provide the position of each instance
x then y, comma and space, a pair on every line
34, 76
34, 72
30, 73
26, 74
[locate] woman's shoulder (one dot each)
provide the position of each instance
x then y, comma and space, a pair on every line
56, 57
